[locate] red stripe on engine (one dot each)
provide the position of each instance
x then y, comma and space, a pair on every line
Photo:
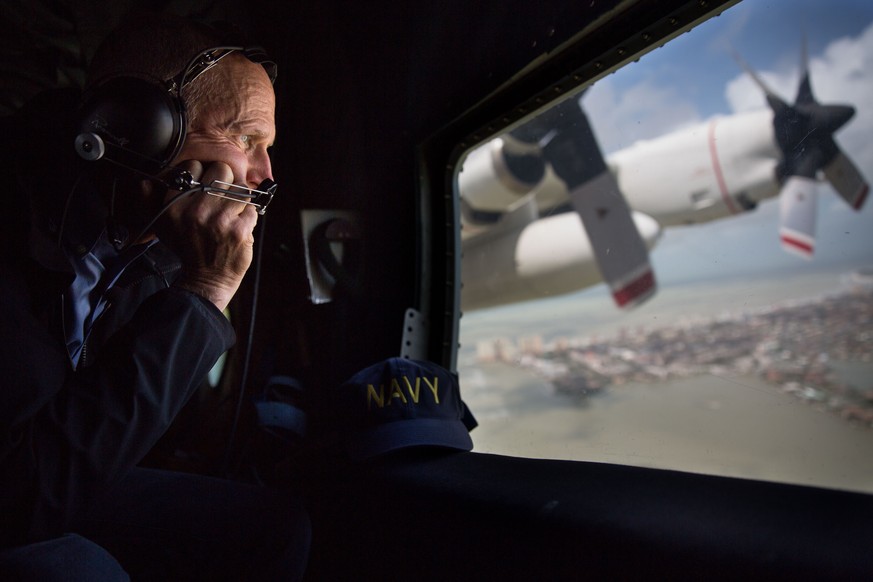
716, 167
801, 246
634, 289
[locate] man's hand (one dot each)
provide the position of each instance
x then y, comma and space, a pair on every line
212, 236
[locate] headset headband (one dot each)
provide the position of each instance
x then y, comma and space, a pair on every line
210, 57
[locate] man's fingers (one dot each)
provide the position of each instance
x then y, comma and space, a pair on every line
213, 236
204, 216
221, 172
249, 219
217, 171
193, 167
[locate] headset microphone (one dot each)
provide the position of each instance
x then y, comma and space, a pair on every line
92, 147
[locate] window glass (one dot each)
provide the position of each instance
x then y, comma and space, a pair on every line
754, 355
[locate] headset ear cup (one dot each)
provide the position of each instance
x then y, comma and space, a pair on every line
141, 122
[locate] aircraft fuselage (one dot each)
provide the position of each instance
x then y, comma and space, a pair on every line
722, 167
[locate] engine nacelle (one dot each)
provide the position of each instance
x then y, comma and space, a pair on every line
547, 257
495, 175
719, 168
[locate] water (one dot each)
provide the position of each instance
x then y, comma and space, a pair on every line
729, 425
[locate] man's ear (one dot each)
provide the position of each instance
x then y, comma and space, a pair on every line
136, 121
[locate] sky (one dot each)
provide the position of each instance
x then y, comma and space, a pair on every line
695, 77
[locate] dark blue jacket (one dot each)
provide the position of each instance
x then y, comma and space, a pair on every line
67, 435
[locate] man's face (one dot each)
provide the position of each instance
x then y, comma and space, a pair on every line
235, 122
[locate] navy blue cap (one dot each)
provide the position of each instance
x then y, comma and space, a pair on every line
401, 403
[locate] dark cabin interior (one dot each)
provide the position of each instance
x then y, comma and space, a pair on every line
375, 105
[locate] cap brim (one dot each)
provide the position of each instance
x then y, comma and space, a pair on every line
408, 433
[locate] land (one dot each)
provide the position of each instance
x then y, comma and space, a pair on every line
800, 347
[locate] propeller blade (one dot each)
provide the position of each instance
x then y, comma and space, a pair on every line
845, 178
804, 90
776, 103
621, 253
797, 209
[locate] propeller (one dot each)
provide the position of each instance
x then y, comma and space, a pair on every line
804, 133
564, 136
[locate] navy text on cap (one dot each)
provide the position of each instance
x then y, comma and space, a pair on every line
401, 403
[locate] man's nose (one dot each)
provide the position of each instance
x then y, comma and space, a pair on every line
259, 169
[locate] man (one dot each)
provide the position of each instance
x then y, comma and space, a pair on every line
113, 288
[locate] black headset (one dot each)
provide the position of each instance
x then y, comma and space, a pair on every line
141, 123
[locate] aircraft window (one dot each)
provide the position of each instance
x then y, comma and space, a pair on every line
741, 342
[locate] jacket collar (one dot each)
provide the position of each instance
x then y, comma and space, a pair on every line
65, 223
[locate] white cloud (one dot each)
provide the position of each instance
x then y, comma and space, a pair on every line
844, 74
643, 111
743, 94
